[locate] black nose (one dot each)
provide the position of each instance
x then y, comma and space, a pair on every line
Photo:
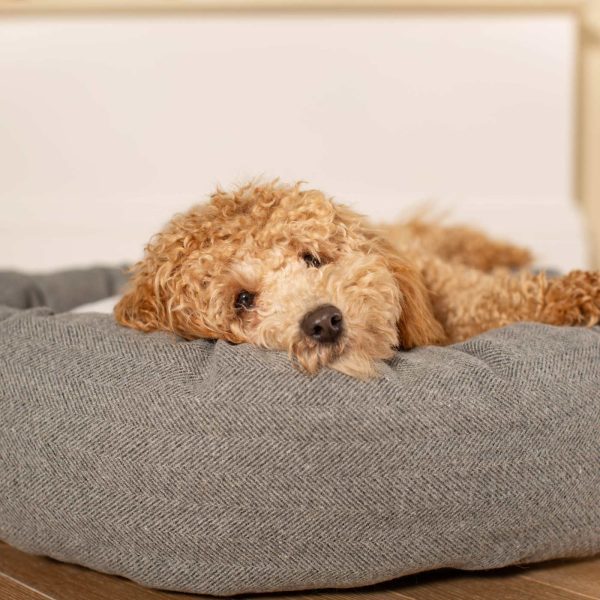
324, 324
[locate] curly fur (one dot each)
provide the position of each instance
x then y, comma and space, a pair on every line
400, 286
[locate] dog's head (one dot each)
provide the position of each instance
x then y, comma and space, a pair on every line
282, 268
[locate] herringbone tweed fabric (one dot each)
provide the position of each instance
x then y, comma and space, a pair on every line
212, 468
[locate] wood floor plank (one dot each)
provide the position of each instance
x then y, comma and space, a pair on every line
62, 581
507, 584
11, 589
349, 594
580, 576
26, 577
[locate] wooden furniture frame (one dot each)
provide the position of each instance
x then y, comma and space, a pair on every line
586, 179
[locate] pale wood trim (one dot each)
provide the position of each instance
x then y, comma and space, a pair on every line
33, 6
588, 152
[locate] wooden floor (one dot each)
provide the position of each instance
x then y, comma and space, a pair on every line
24, 577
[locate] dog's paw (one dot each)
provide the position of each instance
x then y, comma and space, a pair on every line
573, 299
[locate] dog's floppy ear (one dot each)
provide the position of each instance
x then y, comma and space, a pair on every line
417, 325
141, 307
155, 299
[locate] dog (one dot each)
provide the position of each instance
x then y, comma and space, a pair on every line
287, 268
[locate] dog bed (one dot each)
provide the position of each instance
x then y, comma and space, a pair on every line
219, 469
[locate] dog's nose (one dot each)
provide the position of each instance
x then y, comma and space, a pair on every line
324, 324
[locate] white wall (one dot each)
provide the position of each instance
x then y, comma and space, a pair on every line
108, 125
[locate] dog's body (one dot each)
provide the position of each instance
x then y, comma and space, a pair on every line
288, 269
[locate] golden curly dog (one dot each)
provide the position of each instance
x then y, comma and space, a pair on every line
289, 269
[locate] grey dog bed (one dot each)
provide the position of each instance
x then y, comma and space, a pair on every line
212, 468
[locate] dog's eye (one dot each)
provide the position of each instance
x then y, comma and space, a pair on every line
311, 260
244, 299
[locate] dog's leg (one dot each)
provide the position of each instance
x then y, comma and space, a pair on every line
462, 245
468, 302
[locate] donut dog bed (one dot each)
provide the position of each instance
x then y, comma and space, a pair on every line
219, 469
